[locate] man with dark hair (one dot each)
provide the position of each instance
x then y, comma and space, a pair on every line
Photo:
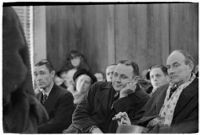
173, 108
57, 101
105, 99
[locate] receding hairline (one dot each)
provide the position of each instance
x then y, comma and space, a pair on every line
185, 54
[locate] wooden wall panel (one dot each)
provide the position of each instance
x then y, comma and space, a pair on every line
184, 28
95, 36
145, 33
63, 32
139, 33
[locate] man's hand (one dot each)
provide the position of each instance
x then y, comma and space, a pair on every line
128, 89
154, 122
122, 118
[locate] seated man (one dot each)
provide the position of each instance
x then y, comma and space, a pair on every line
173, 108
109, 72
57, 101
105, 99
99, 76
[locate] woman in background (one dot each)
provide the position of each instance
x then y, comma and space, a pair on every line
76, 60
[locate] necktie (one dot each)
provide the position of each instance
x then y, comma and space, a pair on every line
44, 98
172, 90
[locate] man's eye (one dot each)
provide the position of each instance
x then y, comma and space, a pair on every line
168, 67
115, 74
176, 65
158, 75
124, 77
42, 73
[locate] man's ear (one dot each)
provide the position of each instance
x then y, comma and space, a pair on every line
191, 66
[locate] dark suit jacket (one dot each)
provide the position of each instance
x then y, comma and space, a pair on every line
185, 118
60, 107
99, 107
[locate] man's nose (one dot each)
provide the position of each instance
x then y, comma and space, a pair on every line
170, 71
117, 79
38, 78
155, 79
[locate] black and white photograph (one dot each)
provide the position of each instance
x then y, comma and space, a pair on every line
100, 67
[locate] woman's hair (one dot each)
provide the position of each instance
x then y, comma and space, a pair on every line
162, 67
83, 62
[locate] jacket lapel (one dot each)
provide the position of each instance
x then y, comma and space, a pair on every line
39, 96
161, 98
51, 98
188, 93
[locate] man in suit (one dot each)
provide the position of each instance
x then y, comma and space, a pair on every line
95, 114
174, 107
57, 101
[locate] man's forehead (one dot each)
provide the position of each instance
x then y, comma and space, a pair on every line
111, 67
175, 57
156, 71
41, 68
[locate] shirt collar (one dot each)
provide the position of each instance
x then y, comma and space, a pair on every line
48, 89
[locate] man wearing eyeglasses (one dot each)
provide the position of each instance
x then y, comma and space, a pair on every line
57, 101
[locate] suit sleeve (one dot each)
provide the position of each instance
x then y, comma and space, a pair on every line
63, 116
82, 117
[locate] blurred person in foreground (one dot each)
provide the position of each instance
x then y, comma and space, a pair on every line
173, 108
22, 112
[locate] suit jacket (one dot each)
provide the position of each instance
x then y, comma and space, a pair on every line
100, 106
185, 117
60, 107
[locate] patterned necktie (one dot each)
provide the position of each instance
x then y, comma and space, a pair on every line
172, 89
44, 98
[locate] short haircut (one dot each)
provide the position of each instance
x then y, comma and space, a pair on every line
132, 64
188, 58
46, 63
